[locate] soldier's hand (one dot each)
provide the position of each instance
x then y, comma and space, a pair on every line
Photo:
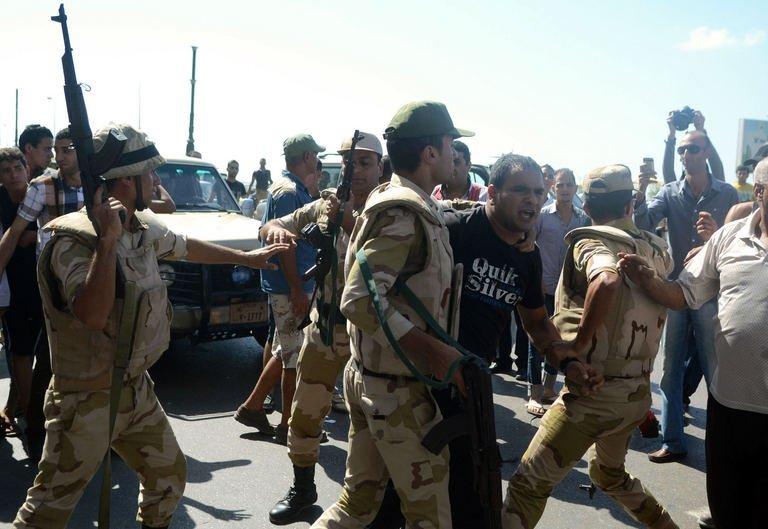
644, 180
527, 243
440, 361
278, 235
585, 376
107, 216
259, 258
635, 268
706, 226
331, 207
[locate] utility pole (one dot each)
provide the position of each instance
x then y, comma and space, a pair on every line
16, 133
191, 138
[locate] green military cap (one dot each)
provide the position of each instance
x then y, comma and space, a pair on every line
299, 144
422, 118
608, 179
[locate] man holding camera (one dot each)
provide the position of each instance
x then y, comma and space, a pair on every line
681, 120
695, 207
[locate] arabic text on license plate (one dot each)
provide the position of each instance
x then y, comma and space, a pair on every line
248, 312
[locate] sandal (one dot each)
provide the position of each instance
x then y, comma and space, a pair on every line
535, 409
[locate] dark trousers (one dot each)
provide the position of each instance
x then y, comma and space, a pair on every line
41, 377
737, 466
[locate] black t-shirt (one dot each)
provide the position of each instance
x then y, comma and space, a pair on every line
497, 277
237, 188
21, 269
263, 178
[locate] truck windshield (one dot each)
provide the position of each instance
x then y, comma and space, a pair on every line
196, 187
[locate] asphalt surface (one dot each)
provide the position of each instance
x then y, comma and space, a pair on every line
236, 475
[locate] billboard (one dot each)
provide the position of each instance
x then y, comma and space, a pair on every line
752, 134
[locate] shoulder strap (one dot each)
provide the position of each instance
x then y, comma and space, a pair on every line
416, 304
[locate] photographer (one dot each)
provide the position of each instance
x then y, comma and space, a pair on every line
681, 120
695, 207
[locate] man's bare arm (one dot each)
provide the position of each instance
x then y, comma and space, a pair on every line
663, 292
10, 240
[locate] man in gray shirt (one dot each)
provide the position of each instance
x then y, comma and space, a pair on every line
695, 207
731, 268
555, 220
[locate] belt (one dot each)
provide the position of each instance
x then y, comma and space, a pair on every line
386, 376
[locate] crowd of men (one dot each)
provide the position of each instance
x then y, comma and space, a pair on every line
595, 292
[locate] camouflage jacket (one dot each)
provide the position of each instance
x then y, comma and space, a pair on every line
402, 233
625, 345
82, 358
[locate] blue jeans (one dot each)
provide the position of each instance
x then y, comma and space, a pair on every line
534, 356
675, 344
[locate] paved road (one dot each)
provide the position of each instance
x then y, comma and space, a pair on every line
235, 475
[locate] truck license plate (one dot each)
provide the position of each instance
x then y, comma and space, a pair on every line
248, 312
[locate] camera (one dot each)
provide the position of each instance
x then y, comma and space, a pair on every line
682, 119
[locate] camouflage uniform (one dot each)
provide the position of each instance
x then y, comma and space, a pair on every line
623, 350
403, 234
319, 365
77, 401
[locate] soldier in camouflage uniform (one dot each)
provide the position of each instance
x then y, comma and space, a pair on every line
319, 363
618, 334
77, 274
403, 236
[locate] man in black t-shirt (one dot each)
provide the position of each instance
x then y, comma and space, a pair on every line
502, 271
237, 188
263, 179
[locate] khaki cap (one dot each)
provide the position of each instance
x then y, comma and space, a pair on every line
139, 155
299, 144
607, 180
420, 119
368, 142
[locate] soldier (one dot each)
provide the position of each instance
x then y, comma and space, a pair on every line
83, 300
402, 235
615, 328
320, 363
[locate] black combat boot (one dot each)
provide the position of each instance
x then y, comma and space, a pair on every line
301, 495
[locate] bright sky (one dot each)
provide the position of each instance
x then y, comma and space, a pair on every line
577, 84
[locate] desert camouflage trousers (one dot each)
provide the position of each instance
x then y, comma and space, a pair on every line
76, 441
567, 431
318, 368
388, 419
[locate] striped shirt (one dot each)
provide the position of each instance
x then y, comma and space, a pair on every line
48, 197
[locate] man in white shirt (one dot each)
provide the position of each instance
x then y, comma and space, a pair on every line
732, 266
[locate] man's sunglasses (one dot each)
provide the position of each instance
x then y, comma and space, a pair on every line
693, 149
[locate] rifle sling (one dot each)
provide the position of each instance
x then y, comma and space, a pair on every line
416, 304
122, 358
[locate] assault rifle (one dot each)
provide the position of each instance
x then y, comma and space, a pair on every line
477, 421
92, 166
327, 260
